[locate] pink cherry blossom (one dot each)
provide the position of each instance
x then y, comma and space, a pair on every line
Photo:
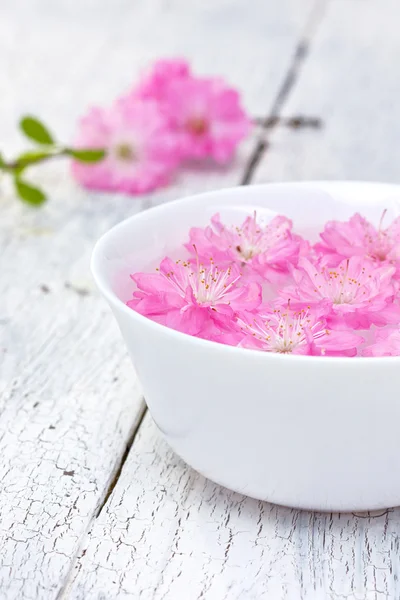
358, 237
386, 343
141, 151
286, 331
316, 315
193, 298
357, 293
207, 116
155, 83
204, 113
263, 250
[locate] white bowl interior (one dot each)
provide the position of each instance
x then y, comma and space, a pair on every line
139, 243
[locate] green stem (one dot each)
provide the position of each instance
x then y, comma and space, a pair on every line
18, 164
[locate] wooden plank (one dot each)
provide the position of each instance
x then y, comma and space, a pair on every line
70, 404
167, 532
348, 82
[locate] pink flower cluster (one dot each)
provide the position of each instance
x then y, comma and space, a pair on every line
264, 287
169, 117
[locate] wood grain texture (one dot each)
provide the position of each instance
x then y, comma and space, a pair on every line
168, 533
346, 81
70, 403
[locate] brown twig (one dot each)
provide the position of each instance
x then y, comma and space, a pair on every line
298, 122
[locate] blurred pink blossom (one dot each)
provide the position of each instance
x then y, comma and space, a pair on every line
205, 113
207, 117
141, 150
154, 84
169, 116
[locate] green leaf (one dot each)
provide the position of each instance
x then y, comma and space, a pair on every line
28, 193
2, 162
87, 155
35, 130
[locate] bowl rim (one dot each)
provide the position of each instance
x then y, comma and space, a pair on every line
119, 305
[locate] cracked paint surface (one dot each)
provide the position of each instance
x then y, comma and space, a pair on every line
73, 525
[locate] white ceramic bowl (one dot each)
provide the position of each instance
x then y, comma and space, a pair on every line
309, 432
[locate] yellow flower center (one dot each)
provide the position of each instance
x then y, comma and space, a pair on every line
125, 152
197, 125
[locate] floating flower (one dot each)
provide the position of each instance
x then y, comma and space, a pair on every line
193, 298
318, 314
141, 151
356, 292
287, 331
262, 250
386, 343
358, 237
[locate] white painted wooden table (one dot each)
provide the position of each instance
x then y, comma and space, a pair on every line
93, 504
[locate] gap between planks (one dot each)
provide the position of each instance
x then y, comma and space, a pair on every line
120, 465
272, 119
115, 475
